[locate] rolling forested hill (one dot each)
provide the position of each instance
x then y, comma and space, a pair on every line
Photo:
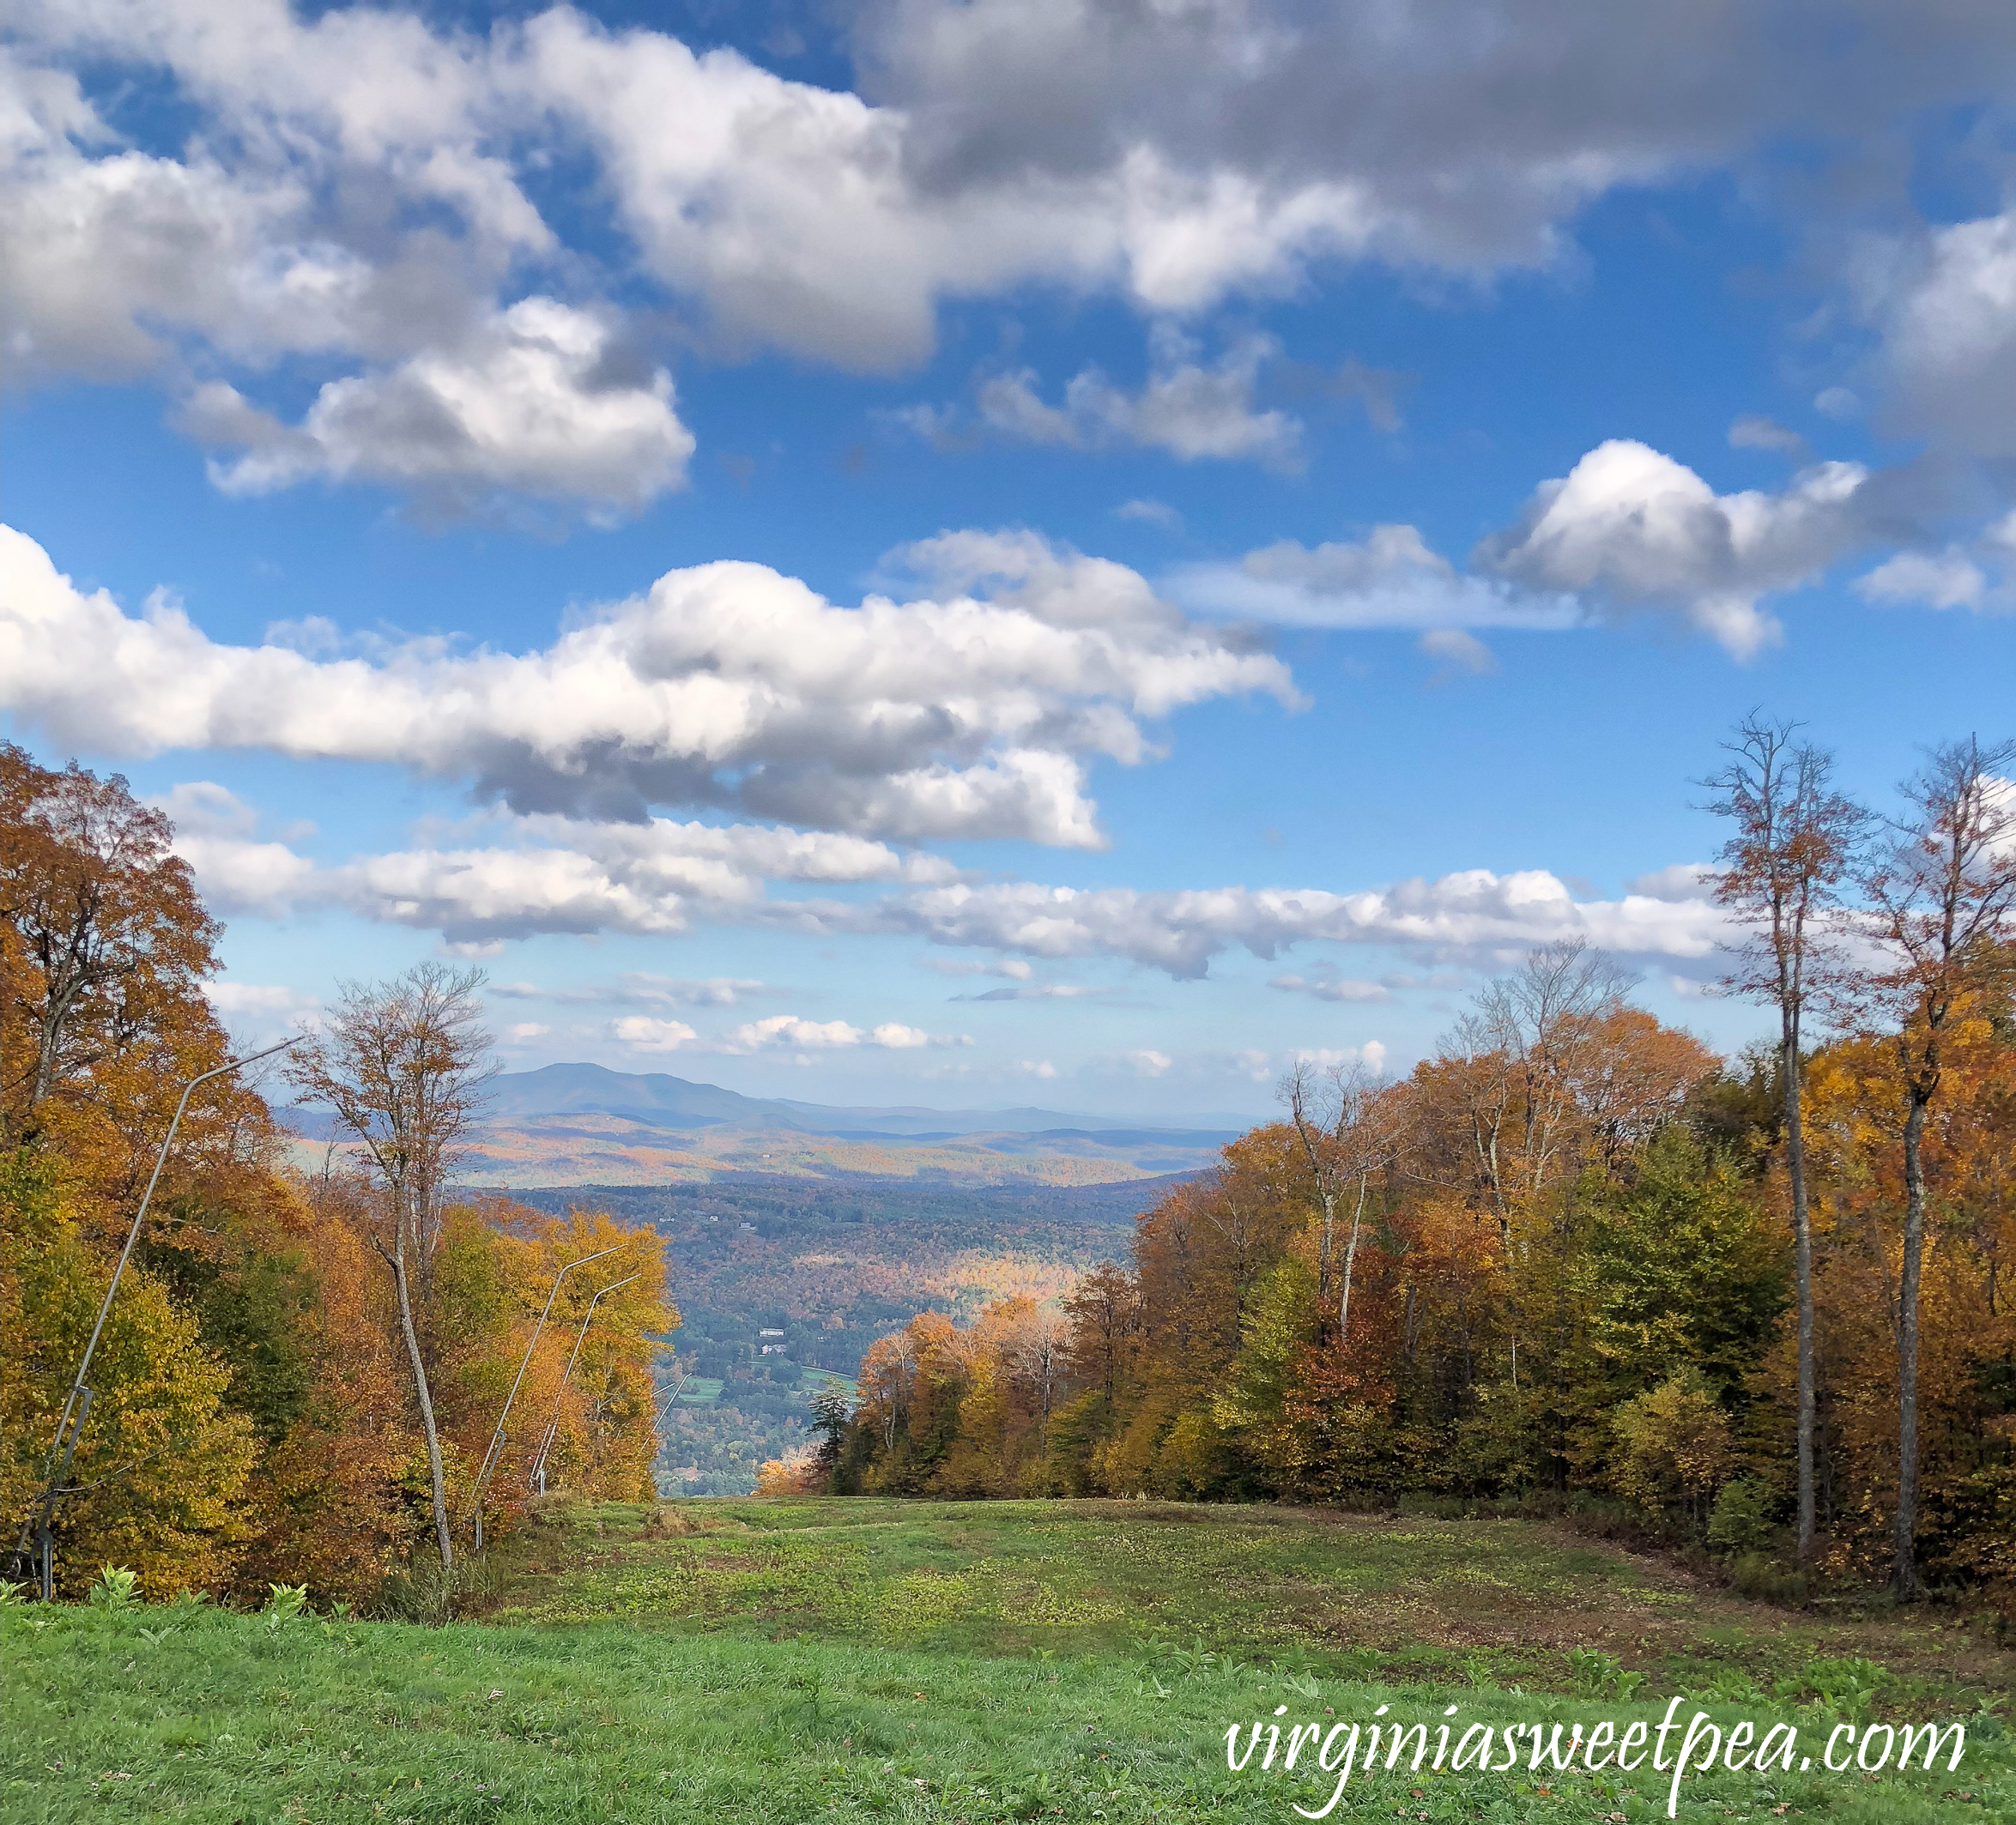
585, 1126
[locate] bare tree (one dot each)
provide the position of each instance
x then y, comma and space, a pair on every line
889, 1378
1345, 1121
1477, 1086
1523, 1058
1940, 893
1036, 1358
1526, 1041
1543, 1018
403, 1064
1795, 844
1242, 1231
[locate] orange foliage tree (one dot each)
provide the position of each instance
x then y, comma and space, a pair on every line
1447, 1284
257, 1414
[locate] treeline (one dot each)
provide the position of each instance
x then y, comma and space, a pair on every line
1576, 1252
302, 1370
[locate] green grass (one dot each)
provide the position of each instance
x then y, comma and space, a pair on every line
814, 1660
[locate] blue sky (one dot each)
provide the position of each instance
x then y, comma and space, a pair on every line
1322, 488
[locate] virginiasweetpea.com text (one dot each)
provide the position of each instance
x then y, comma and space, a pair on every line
1332, 1752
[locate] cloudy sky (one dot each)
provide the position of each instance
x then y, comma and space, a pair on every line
970, 552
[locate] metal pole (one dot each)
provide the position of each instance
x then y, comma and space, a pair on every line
44, 1513
580, 1337
45, 1540
671, 1401
545, 1446
497, 1437
674, 1395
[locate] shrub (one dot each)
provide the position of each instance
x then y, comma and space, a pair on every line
421, 1592
799, 1474
286, 1602
1673, 1446
1741, 1520
114, 1588
1758, 1574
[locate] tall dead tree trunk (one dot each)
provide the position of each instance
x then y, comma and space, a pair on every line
1794, 845
1941, 894
1343, 1119
436, 1475
402, 1064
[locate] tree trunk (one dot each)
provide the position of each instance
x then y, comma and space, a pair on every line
1802, 1242
1350, 1261
420, 1383
1906, 1575
1497, 1189
62, 994
1324, 1249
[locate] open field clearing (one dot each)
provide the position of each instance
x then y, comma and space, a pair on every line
839, 1660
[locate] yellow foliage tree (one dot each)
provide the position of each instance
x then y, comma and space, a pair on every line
1673, 1446
160, 1472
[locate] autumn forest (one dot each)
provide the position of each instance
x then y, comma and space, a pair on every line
1751, 1306
300, 1376
1748, 1306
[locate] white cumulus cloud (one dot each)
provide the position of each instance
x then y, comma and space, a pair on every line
238, 870
530, 403
1390, 578
553, 875
649, 1033
1946, 307
790, 1032
1979, 575
1476, 914
967, 713
1456, 651
1328, 986
1628, 529
261, 1013
714, 991
897, 1037
365, 191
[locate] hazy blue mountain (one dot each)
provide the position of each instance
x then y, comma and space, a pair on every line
677, 1102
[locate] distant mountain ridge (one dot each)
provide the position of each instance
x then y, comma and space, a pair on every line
663, 1100
587, 1125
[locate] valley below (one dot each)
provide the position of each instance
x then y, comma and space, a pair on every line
784, 1282
798, 1234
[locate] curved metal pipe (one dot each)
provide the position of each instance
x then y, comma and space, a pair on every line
580, 1337
497, 1437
